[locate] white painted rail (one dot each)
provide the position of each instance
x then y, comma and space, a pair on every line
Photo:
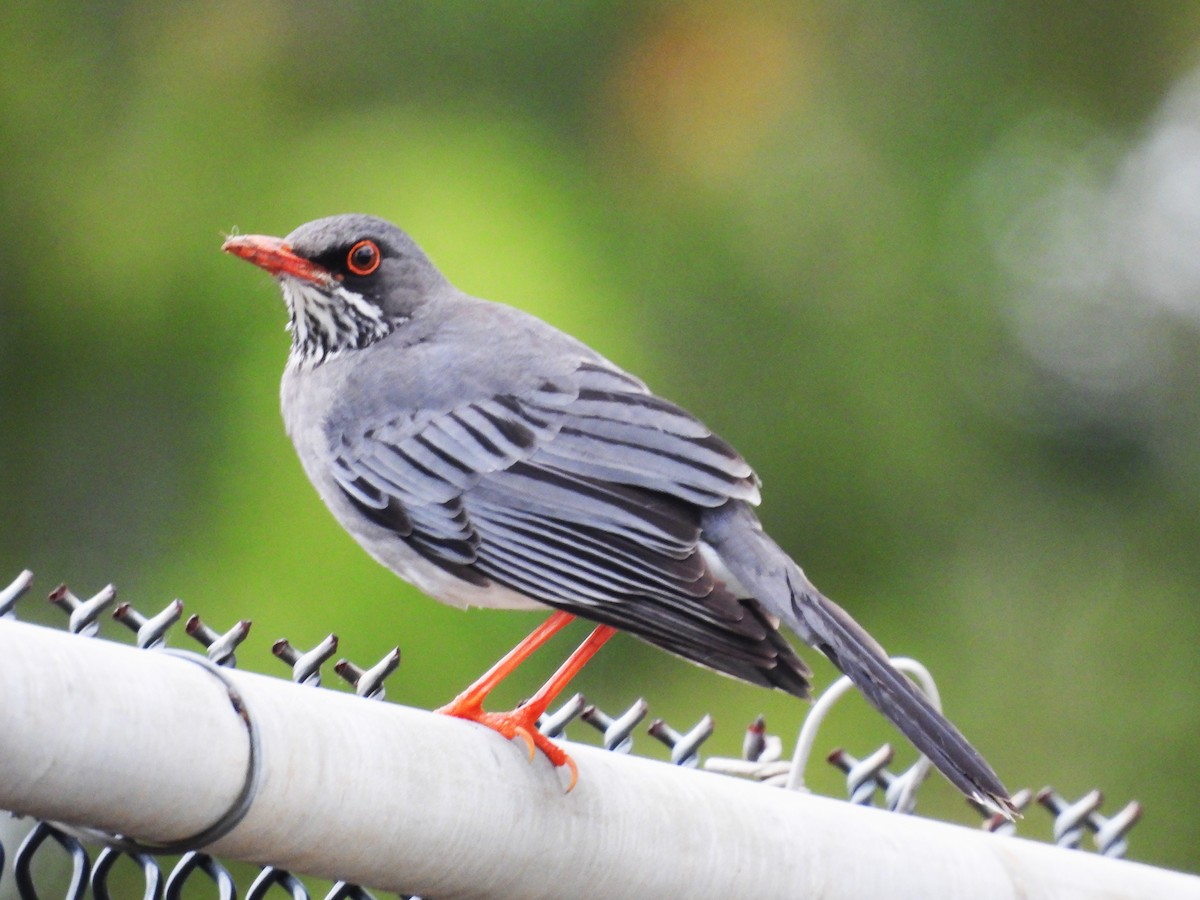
148, 744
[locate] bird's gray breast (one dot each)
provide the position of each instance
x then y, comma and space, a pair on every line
365, 407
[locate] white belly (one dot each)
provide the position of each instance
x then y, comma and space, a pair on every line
439, 584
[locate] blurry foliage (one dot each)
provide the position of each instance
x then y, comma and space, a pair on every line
831, 231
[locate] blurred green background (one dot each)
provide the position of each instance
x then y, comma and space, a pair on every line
932, 267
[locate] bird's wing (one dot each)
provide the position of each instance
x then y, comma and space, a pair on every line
585, 494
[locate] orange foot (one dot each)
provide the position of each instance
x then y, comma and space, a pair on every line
517, 723
522, 721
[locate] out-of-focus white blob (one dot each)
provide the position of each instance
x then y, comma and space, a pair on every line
1098, 245
1156, 200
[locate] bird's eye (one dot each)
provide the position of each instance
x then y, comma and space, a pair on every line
363, 258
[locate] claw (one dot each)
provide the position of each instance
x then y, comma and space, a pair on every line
570, 764
523, 733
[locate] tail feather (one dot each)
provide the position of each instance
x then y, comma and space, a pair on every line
848, 646
755, 564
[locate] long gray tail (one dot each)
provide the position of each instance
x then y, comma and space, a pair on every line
770, 576
831, 630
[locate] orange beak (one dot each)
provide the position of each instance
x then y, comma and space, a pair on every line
276, 257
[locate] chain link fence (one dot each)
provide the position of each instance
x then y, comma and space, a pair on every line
43, 859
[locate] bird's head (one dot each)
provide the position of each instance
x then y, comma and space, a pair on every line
348, 281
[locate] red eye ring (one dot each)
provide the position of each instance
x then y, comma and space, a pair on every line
364, 258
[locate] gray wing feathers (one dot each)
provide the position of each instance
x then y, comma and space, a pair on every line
583, 447
585, 493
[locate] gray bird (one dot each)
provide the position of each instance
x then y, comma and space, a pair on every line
492, 460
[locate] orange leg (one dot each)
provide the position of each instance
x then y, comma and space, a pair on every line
522, 721
471, 700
